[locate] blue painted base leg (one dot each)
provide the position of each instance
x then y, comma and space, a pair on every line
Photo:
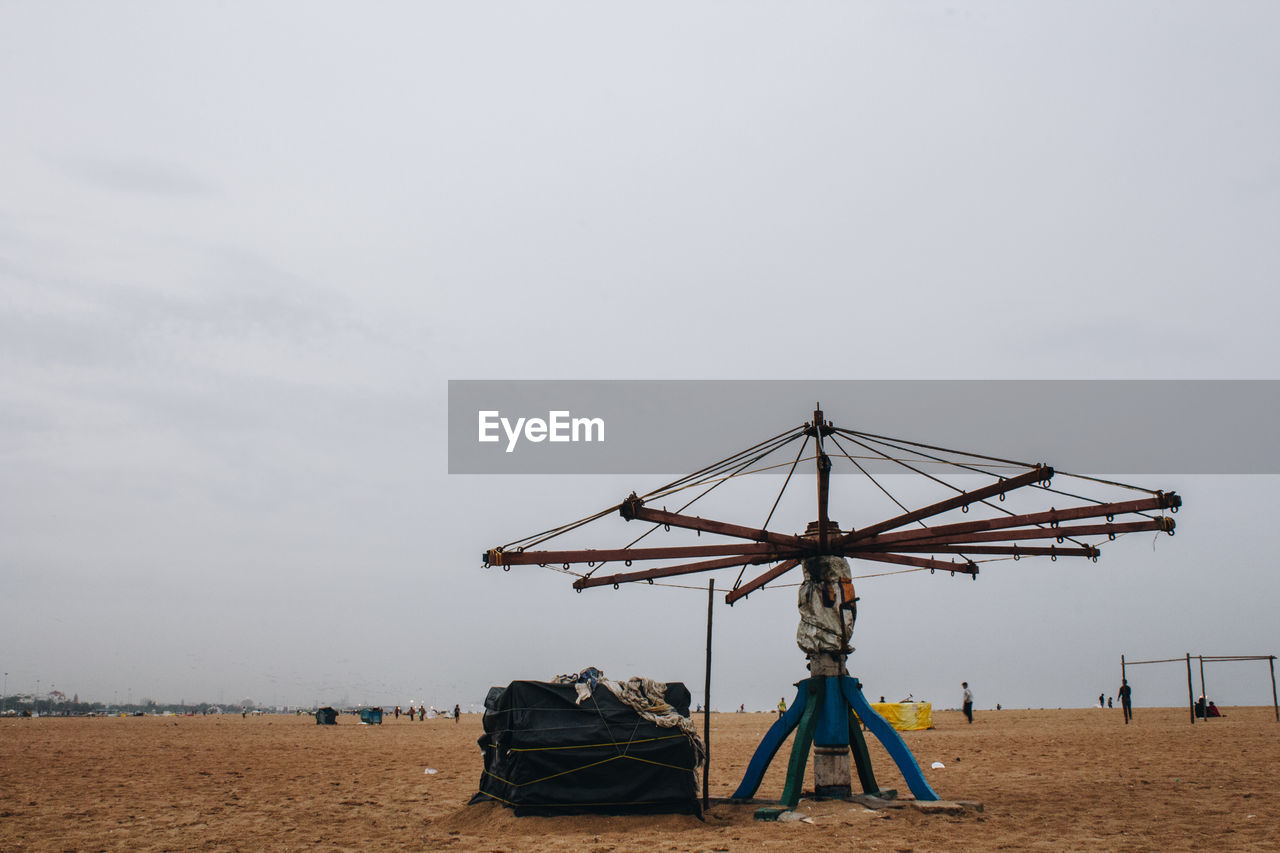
886, 734
772, 742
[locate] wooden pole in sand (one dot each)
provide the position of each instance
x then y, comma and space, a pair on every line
1272, 663
706, 697
1203, 692
1191, 699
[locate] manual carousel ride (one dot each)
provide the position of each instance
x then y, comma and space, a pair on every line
829, 703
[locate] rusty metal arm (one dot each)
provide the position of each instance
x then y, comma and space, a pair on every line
969, 568
1007, 550
1039, 474
668, 571
497, 557
751, 586
633, 508
1052, 516
1163, 523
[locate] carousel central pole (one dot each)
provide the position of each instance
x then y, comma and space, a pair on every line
824, 478
832, 776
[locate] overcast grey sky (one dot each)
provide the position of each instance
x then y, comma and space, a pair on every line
243, 248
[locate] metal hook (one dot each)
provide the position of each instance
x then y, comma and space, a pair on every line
964, 508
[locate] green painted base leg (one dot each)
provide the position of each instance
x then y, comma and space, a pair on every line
801, 745
861, 758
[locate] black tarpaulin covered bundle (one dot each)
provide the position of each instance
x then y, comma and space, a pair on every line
545, 753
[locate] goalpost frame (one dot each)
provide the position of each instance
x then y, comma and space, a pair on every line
1271, 664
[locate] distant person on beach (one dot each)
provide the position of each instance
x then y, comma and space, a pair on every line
1200, 707
1213, 711
422, 713
457, 712
1101, 696
782, 706
1126, 700
967, 705
1108, 701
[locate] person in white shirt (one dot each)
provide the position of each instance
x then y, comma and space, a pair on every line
968, 701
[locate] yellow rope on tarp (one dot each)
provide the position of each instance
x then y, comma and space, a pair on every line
588, 745
587, 767
572, 805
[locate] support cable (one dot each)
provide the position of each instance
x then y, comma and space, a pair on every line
738, 581
996, 507
867, 474
708, 491
1033, 485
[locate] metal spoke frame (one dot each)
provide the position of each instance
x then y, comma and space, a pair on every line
884, 542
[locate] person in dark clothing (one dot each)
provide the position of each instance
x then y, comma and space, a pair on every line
457, 712
968, 701
1126, 700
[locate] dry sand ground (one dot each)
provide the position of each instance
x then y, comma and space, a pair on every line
1049, 780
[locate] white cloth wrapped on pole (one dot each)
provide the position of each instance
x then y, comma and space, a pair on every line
825, 623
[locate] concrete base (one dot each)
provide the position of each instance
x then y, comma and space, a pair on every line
831, 773
889, 801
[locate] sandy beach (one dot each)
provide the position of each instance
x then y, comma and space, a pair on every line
1046, 779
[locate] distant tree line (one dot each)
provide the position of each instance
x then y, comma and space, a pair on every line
53, 706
